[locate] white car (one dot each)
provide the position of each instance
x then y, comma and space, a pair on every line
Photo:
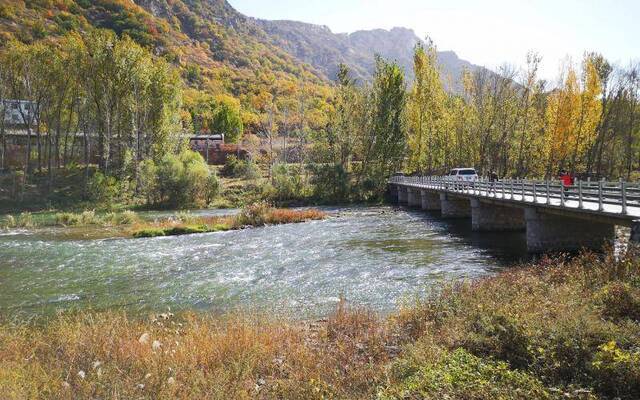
462, 174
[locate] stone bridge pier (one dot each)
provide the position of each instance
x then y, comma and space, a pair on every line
551, 232
402, 194
430, 200
454, 207
487, 217
635, 232
413, 197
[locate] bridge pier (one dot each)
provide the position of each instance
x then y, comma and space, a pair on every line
548, 233
487, 217
430, 200
392, 191
635, 232
402, 194
454, 207
413, 197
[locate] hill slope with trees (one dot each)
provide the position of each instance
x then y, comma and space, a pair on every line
217, 49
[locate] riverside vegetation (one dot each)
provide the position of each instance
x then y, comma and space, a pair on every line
183, 223
253, 215
558, 329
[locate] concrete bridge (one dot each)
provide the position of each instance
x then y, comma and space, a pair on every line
555, 218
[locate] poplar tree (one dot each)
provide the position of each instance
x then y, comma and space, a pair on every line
428, 129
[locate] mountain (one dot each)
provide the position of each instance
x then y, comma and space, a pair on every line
325, 50
220, 50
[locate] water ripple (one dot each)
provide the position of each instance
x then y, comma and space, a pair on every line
372, 256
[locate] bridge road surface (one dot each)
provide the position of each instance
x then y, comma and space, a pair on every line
605, 201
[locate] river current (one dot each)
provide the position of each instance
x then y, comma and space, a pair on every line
376, 257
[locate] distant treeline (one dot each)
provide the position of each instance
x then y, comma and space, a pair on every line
98, 85
519, 125
512, 123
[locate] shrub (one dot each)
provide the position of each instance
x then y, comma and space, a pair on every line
67, 219
251, 170
461, 375
231, 168
563, 351
148, 181
286, 184
25, 220
170, 180
89, 217
9, 222
212, 188
196, 176
7, 12
185, 217
619, 300
616, 371
102, 188
236, 168
255, 214
182, 180
500, 337
287, 216
330, 183
125, 218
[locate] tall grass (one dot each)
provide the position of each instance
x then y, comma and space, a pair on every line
90, 217
559, 329
85, 218
254, 215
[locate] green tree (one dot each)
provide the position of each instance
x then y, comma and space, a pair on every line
384, 143
226, 118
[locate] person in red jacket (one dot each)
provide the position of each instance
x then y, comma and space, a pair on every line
567, 180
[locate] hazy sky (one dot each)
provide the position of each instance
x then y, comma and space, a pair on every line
489, 32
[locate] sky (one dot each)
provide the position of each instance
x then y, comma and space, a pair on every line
490, 33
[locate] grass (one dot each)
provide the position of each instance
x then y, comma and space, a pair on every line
84, 218
254, 215
559, 329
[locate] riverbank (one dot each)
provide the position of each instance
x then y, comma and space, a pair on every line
559, 329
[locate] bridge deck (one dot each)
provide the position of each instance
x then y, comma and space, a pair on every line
616, 201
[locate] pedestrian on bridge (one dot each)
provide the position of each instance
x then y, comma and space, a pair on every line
567, 181
493, 178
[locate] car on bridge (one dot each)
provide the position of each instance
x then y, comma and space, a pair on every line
463, 174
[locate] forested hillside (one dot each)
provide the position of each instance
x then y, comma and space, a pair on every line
216, 49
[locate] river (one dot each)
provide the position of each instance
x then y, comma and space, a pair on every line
375, 257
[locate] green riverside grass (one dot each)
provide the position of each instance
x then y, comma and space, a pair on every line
254, 215
179, 230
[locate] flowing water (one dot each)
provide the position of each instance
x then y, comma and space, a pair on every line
375, 257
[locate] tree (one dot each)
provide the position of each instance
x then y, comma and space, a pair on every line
384, 144
347, 122
428, 127
226, 118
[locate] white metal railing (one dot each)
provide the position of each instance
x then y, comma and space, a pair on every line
591, 195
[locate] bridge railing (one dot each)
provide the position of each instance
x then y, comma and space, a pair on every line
583, 194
